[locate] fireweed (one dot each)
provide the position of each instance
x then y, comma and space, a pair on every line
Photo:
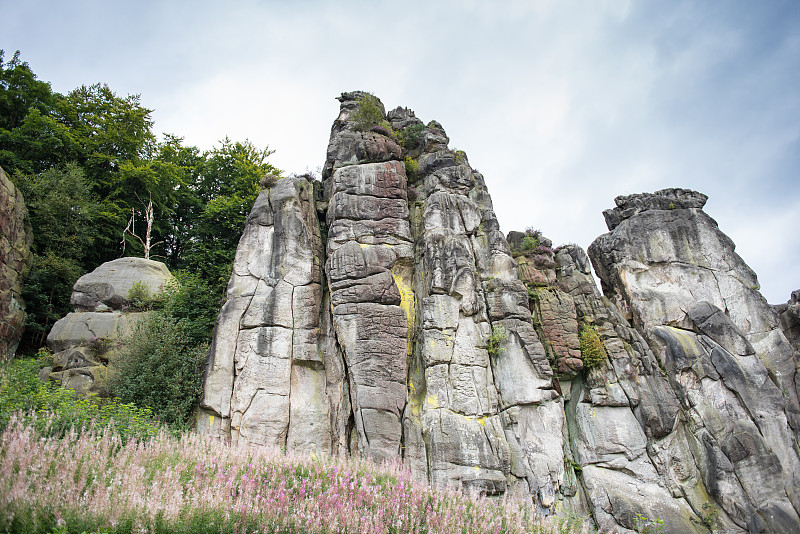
93, 481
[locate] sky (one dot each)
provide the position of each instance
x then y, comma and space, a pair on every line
562, 105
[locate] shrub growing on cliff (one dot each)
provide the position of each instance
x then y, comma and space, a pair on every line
411, 136
495, 340
593, 351
367, 113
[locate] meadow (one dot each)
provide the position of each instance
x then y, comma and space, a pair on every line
73, 465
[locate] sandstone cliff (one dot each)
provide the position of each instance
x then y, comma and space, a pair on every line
383, 313
16, 239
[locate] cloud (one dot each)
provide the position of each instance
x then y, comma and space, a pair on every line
561, 105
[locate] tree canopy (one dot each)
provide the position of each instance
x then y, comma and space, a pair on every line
89, 160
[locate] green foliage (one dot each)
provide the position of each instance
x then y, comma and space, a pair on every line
593, 351
368, 112
193, 301
139, 296
85, 160
411, 136
643, 525
412, 168
495, 340
160, 369
53, 411
160, 364
532, 240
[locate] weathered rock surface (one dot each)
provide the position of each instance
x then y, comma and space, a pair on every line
85, 340
721, 346
790, 318
15, 260
106, 288
383, 313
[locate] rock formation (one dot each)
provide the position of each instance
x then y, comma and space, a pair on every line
790, 318
383, 313
733, 436
84, 341
15, 260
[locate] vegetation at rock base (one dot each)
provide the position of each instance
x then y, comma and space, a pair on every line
85, 159
593, 351
159, 366
192, 483
52, 411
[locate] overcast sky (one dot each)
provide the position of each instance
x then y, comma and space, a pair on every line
561, 105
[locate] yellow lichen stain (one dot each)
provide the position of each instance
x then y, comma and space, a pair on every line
210, 421
363, 245
402, 275
481, 420
432, 401
687, 342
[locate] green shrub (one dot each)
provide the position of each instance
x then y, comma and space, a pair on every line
411, 136
495, 340
53, 410
160, 368
139, 297
412, 168
191, 299
593, 351
532, 240
367, 113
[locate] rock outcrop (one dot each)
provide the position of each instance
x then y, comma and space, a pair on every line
721, 347
85, 340
383, 313
16, 239
790, 318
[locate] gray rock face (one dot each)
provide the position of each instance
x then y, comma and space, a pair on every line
790, 318
723, 352
381, 313
266, 380
84, 341
15, 260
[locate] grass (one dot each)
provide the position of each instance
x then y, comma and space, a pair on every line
93, 481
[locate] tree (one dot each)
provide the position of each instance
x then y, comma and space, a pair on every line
61, 210
227, 186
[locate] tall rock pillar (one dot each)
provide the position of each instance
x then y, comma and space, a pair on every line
15, 260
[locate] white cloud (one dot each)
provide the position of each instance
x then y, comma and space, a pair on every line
561, 105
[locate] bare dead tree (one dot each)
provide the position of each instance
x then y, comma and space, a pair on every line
149, 214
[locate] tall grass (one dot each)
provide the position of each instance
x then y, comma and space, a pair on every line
97, 482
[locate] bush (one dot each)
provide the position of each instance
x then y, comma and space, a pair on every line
160, 368
412, 168
268, 181
367, 113
495, 340
139, 297
191, 299
593, 351
53, 410
411, 136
